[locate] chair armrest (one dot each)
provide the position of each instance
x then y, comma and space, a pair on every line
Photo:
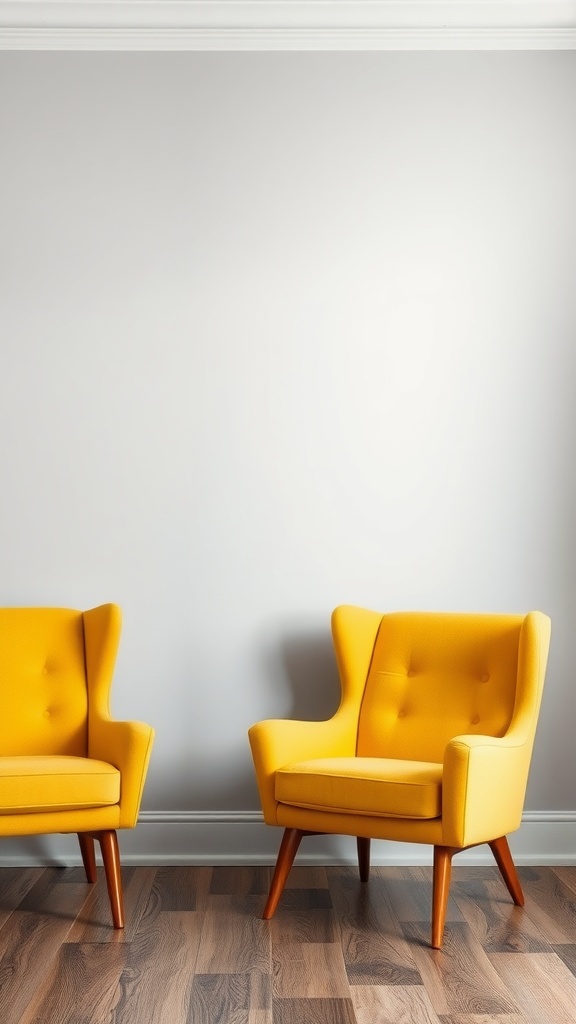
277, 742
126, 745
483, 787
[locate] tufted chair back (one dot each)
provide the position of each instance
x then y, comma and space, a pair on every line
43, 691
431, 742
434, 676
66, 765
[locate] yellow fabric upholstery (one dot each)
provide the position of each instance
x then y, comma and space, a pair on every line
30, 784
65, 765
433, 677
43, 695
456, 694
370, 785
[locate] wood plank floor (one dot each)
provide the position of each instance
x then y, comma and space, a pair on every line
196, 951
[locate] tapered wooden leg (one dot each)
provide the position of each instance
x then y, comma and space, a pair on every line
111, 857
503, 858
441, 888
363, 845
88, 855
288, 849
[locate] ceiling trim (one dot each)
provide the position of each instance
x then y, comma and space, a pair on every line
287, 25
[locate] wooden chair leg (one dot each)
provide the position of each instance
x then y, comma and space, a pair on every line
503, 858
288, 849
111, 857
88, 855
363, 845
441, 888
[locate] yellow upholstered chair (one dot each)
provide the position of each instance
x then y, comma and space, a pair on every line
431, 743
65, 765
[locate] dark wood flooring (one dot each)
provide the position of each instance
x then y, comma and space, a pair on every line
337, 952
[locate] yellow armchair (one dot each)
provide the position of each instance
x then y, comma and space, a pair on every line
65, 765
431, 743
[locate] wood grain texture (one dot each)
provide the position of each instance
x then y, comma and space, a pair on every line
568, 956
312, 970
550, 904
171, 938
496, 922
288, 926
220, 999
397, 1005
83, 985
567, 876
235, 939
178, 888
304, 877
541, 984
374, 947
410, 893
29, 943
228, 881
38, 896
482, 1018
459, 978
95, 924
300, 899
337, 952
313, 1011
15, 883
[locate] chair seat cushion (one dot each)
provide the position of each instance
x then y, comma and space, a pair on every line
54, 783
381, 787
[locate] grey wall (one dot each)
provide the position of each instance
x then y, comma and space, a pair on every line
279, 332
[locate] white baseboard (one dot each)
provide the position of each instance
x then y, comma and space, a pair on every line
241, 837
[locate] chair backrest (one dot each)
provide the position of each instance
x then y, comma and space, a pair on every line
43, 691
434, 676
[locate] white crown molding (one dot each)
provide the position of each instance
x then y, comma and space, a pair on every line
287, 24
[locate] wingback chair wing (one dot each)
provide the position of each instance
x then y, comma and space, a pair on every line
431, 743
65, 764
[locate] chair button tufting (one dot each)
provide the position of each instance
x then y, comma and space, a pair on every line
484, 677
402, 713
476, 719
